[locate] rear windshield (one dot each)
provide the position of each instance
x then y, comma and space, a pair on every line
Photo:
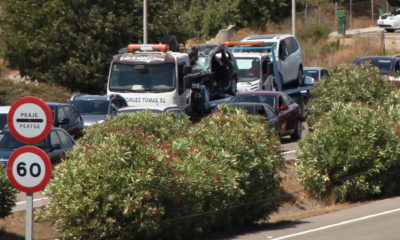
260, 99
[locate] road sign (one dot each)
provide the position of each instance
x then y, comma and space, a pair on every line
29, 169
30, 120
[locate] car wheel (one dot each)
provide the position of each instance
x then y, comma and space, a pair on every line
297, 132
389, 30
300, 77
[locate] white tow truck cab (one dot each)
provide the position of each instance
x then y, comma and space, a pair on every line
149, 75
256, 66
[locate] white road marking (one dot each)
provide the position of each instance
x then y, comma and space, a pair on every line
338, 224
34, 200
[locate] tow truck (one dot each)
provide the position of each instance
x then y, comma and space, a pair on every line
256, 57
152, 76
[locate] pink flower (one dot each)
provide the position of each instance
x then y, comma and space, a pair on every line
189, 183
95, 220
149, 197
69, 223
398, 133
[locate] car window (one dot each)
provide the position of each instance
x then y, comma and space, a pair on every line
287, 100
270, 100
270, 113
260, 111
60, 114
282, 50
64, 139
311, 73
8, 141
324, 73
291, 44
72, 114
54, 139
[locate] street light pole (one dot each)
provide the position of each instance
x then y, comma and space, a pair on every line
294, 17
145, 21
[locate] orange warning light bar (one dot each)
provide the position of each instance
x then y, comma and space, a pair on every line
148, 47
244, 43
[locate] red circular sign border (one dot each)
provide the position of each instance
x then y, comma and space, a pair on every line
43, 106
43, 155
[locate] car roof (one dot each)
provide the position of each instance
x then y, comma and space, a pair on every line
250, 104
93, 97
4, 109
260, 93
376, 57
57, 104
314, 68
267, 37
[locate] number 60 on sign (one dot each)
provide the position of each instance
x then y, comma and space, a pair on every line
29, 169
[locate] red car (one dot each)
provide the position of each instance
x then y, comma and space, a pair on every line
287, 110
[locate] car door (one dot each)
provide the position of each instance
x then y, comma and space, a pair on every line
283, 116
293, 112
74, 125
55, 146
283, 63
292, 59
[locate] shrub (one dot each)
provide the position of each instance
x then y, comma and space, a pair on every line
7, 194
350, 84
143, 175
353, 153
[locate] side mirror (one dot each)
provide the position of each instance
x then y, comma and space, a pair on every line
187, 82
284, 107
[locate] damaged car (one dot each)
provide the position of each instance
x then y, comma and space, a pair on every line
216, 68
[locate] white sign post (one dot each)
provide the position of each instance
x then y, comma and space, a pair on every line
29, 167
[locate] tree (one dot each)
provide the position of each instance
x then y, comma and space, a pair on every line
64, 41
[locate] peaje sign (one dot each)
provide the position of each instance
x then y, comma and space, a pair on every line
30, 119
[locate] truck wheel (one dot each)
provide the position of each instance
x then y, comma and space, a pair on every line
297, 132
300, 77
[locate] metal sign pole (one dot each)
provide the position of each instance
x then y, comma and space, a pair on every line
29, 217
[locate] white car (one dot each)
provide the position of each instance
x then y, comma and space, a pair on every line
390, 21
3, 116
288, 55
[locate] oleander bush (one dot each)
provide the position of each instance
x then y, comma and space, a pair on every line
348, 83
7, 194
353, 150
144, 175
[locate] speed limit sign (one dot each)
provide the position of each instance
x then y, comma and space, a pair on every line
29, 169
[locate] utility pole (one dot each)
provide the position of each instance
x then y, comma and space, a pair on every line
294, 17
145, 21
351, 14
372, 12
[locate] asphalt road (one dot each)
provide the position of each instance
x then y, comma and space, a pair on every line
377, 220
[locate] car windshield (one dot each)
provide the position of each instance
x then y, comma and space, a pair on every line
201, 64
249, 69
385, 65
270, 100
8, 141
262, 49
312, 73
91, 107
142, 77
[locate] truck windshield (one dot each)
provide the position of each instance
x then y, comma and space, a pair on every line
142, 77
249, 69
201, 64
